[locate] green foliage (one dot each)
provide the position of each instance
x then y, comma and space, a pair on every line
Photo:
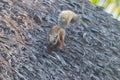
111, 6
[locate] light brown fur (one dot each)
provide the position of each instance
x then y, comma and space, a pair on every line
66, 17
55, 37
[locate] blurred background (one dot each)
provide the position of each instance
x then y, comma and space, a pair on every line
110, 6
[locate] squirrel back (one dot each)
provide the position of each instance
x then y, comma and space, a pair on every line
66, 17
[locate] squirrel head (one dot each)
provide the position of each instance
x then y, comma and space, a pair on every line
53, 39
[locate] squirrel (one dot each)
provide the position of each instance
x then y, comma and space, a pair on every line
66, 17
55, 38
